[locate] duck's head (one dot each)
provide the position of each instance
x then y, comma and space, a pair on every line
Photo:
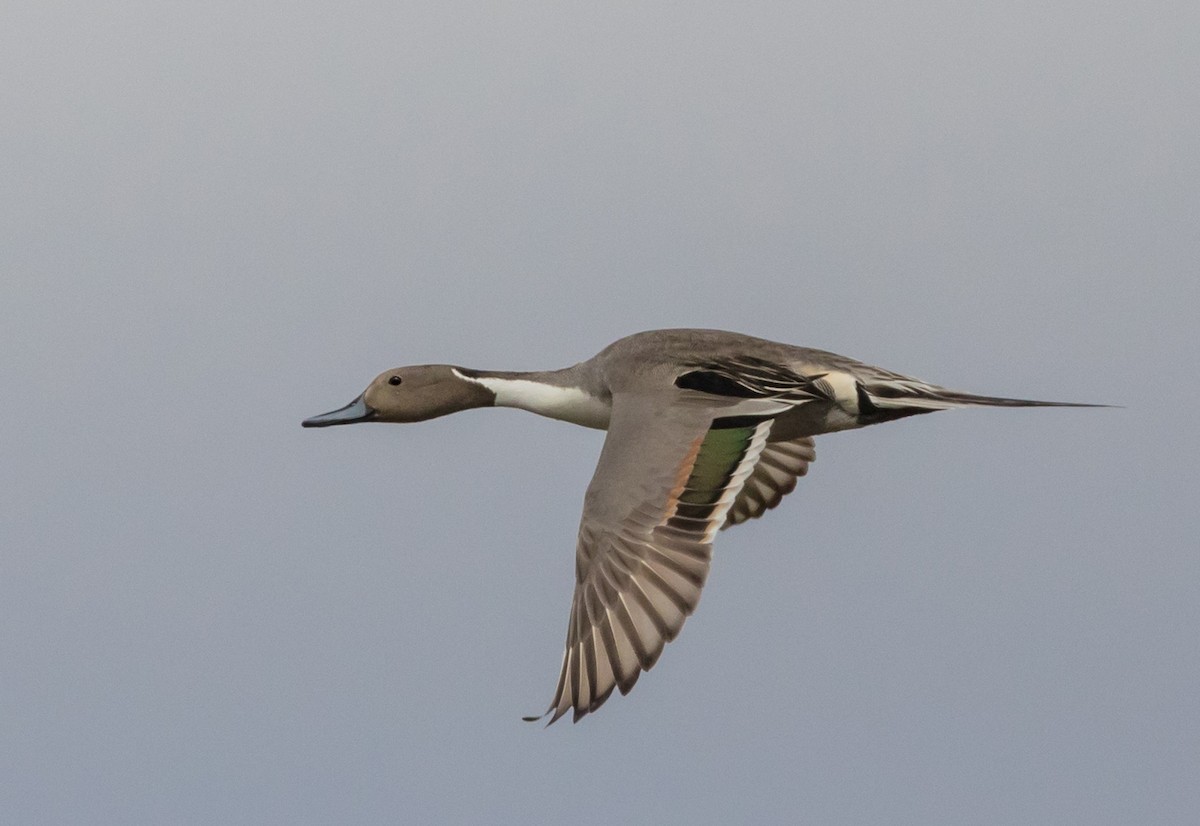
410, 394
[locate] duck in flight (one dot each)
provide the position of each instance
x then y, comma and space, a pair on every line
706, 429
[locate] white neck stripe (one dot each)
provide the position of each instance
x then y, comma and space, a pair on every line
569, 404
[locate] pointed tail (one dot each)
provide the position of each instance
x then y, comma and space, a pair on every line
919, 397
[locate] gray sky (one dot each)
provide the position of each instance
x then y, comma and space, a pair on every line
219, 219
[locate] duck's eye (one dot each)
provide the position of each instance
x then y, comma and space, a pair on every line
395, 380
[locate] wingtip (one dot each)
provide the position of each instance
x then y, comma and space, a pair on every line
539, 717
534, 718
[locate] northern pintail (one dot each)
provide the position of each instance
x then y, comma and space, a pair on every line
706, 429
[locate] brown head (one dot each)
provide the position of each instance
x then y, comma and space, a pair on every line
410, 394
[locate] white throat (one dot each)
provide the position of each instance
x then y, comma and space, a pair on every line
568, 404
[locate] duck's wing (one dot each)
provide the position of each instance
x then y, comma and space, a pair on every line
779, 466
665, 482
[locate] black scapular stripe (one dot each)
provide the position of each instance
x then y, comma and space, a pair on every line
707, 381
727, 422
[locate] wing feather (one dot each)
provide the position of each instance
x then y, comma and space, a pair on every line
773, 477
663, 486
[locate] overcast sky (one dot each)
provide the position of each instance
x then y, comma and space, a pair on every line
219, 218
